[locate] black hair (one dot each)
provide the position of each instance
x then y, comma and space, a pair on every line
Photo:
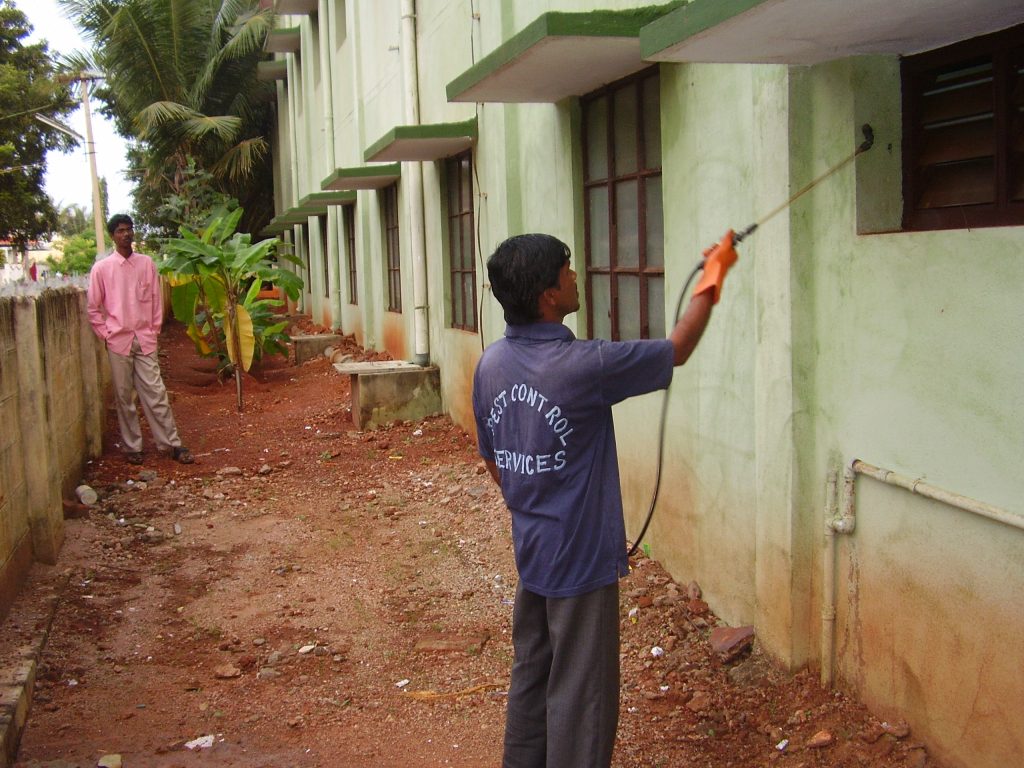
521, 269
119, 218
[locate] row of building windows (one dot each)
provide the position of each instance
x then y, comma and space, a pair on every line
963, 166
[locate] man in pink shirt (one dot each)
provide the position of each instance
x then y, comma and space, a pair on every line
126, 311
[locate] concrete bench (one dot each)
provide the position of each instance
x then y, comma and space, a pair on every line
308, 347
384, 391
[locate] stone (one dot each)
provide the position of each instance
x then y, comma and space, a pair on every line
229, 472
697, 606
730, 642
86, 495
109, 761
819, 740
899, 729
227, 672
699, 702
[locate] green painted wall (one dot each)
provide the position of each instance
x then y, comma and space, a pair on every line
836, 339
909, 356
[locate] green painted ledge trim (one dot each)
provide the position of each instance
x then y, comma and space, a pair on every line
272, 70
290, 218
626, 23
466, 128
392, 170
317, 202
688, 20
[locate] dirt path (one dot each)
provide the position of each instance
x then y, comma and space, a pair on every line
308, 595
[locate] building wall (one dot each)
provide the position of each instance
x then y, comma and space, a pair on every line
837, 338
905, 359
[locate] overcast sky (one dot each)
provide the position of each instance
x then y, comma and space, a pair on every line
67, 175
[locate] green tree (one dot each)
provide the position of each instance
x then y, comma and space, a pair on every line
27, 90
104, 199
79, 254
180, 79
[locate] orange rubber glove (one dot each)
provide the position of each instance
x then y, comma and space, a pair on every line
717, 260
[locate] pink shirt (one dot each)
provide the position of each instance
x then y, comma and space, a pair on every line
125, 302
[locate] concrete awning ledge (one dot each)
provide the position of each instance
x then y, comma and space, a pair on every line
315, 203
811, 31
363, 177
423, 142
296, 6
272, 70
285, 40
559, 55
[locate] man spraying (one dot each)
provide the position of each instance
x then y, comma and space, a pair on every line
543, 401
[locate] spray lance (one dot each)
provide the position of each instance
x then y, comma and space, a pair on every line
716, 262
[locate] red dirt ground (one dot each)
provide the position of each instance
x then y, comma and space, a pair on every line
344, 599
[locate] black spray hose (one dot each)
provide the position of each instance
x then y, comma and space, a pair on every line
664, 418
864, 146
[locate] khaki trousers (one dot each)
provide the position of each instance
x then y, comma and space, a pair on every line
141, 373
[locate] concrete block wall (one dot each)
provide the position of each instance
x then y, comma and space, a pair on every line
53, 375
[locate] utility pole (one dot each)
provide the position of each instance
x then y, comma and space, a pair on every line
90, 149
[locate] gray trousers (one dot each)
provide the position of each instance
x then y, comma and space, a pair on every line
563, 701
141, 373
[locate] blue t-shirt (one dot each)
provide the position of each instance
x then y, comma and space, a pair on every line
542, 401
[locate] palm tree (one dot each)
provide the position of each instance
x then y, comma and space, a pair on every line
73, 219
180, 78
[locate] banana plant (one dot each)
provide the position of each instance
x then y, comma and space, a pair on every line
216, 275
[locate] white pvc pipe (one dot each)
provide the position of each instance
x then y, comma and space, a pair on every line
828, 589
845, 523
918, 486
837, 521
410, 78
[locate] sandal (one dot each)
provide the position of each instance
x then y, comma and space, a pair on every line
182, 455
135, 457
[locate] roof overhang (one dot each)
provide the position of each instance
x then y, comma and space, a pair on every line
363, 177
272, 70
810, 31
316, 203
284, 40
296, 6
423, 142
292, 217
559, 55
274, 228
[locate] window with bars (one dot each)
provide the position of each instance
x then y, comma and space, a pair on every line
461, 241
393, 263
963, 134
625, 267
348, 218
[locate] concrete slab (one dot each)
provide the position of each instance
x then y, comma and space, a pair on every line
381, 395
308, 347
374, 366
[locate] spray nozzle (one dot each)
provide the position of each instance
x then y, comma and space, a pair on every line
869, 138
